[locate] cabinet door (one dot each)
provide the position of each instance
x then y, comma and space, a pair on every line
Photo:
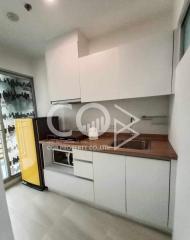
172, 193
145, 67
109, 181
63, 68
98, 76
69, 185
147, 190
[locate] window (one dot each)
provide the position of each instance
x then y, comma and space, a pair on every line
185, 33
16, 101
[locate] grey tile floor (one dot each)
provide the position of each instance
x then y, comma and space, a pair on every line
47, 216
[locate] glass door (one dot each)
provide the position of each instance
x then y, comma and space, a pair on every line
17, 100
3, 159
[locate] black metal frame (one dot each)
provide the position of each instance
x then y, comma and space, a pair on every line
182, 32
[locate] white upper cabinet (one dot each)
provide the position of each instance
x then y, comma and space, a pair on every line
147, 190
138, 69
62, 60
98, 76
109, 181
145, 67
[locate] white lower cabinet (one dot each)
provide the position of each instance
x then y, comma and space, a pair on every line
109, 181
140, 188
82, 155
172, 193
83, 169
147, 190
69, 185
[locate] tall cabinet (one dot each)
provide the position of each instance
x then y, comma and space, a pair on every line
62, 61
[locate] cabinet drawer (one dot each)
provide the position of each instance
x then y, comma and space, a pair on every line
82, 155
83, 169
69, 185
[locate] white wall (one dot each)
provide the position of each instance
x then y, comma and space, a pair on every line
179, 10
132, 33
150, 106
14, 61
179, 135
40, 86
5, 224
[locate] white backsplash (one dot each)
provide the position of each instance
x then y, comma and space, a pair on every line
150, 106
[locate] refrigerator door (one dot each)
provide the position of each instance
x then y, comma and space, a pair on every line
42, 129
27, 151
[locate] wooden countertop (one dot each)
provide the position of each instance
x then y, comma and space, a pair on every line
159, 146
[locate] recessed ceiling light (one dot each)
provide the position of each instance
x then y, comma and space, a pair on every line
12, 16
28, 7
50, 1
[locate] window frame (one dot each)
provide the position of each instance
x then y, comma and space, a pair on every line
183, 19
30, 78
179, 36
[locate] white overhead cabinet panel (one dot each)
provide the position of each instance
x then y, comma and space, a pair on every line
138, 69
109, 181
145, 67
99, 76
147, 190
62, 60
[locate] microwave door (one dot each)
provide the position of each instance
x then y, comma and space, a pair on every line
70, 159
68, 156
62, 157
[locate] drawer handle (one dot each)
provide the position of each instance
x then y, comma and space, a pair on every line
79, 160
87, 179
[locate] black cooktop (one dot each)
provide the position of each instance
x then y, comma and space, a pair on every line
75, 136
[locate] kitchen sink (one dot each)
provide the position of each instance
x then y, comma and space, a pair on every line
134, 144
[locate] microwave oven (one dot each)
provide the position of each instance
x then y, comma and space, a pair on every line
63, 157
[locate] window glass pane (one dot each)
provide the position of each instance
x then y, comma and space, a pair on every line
3, 162
16, 101
186, 32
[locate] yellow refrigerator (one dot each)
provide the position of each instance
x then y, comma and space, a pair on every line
29, 132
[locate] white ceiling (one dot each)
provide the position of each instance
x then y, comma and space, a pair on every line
92, 17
